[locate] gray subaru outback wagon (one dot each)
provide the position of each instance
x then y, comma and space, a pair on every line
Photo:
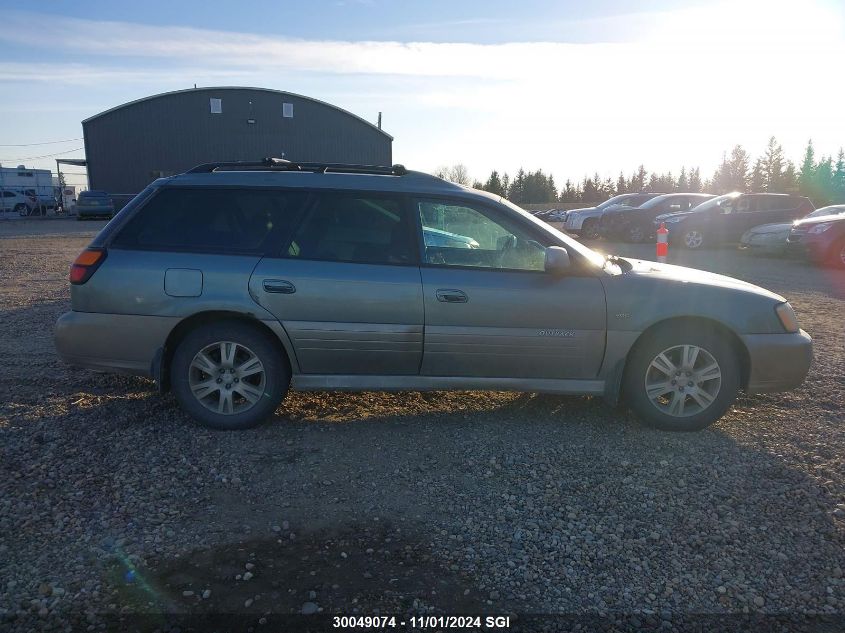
234, 282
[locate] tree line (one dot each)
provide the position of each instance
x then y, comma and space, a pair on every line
822, 180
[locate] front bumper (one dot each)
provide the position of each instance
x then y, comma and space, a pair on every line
779, 362
812, 247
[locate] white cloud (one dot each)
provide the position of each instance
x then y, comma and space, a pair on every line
683, 90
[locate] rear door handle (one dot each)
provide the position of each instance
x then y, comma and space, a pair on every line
279, 286
447, 295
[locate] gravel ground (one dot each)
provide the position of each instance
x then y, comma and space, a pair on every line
112, 501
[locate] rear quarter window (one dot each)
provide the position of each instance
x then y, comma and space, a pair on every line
212, 220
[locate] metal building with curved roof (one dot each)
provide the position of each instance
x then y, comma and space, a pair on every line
130, 145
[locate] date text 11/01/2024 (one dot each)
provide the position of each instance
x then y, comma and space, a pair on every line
422, 622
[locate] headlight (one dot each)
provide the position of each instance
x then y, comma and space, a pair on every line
820, 228
787, 317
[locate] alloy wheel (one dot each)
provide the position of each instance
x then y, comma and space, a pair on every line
227, 377
683, 380
693, 239
635, 234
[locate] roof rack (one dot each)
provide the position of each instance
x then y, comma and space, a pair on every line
280, 164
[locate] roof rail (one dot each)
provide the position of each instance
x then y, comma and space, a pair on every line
274, 164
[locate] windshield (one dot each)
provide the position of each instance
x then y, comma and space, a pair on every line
621, 199
715, 202
571, 244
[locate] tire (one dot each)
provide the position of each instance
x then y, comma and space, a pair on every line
676, 407
693, 239
590, 230
836, 259
635, 234
21, 209
230, 400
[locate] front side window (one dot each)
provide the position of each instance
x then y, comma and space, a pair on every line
355, 228
212, 220
455, 234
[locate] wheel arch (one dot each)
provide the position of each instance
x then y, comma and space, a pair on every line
699, 323
164, 356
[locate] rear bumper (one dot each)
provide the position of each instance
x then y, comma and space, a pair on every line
122, 343
94, 212
779, 362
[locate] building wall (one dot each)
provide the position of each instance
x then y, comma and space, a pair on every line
129, 146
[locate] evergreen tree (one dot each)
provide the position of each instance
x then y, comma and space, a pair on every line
568, 193
732, 174
839, 178
683, 182
807, 173
790, 178
638, 180
823, 182
758, 179
621, 186
772, 167
494, 184
652, 183
516, 192
695, 181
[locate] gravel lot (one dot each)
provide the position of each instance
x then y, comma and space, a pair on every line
112, 501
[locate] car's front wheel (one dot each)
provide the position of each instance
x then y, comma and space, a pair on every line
229, 375
693, 238
635, 234
837, 254
681, 378
590, 230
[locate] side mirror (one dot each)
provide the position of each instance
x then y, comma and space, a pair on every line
557, 260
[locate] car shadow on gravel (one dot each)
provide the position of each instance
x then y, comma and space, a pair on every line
360, 569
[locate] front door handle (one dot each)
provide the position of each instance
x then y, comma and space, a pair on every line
447, 295
279, 286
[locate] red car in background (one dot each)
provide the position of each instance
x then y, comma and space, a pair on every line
820, 239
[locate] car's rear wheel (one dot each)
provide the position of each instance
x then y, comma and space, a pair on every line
693, 239
681, 378
229, 375
590, 230
21, 209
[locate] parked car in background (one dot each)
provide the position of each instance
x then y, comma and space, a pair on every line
724, 219
94, 204
16, 202
636, 224
552, 215
585, 222
233, 283
821, 239
771, 239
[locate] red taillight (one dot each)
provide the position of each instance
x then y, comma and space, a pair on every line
85, 265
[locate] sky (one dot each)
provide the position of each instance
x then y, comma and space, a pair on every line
573, 88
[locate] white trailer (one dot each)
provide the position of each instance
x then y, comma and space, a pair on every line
37, 184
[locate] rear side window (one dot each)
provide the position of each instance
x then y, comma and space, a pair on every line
355, 228
213, 220
774, 203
